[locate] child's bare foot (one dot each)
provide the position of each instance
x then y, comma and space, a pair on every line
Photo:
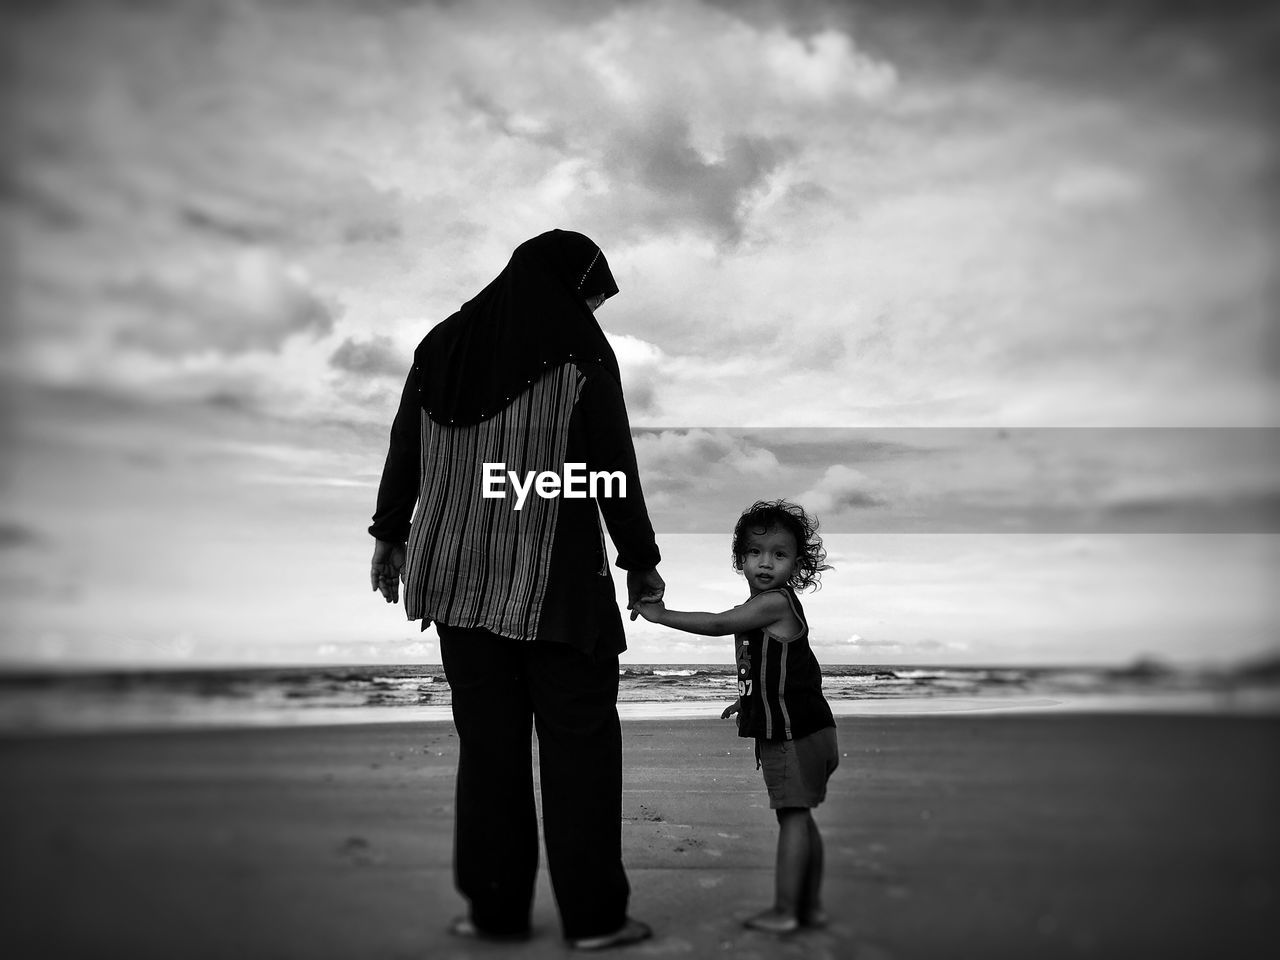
817, 919
772, 921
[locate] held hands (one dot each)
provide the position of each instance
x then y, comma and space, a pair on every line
384, 572
643, 586
731, 709
651, 610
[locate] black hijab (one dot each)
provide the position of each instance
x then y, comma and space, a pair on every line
533, 316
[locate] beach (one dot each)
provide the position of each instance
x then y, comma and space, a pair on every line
961, 835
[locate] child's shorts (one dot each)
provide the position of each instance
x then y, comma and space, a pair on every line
796, 771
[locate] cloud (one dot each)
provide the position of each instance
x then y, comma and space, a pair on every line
827, 65
1256, 513
640, 145
14, 535
690, 456
842, 488
761, 168
699, 480
852, 640
929, 645
908, 648
665, 182
746, 66
694, 149
860, 641
640, 363
1092, 186
376, 356
252, 300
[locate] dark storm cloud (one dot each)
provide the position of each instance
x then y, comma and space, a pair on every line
973, 481
14, 535
683, 187
376, 356
249, 305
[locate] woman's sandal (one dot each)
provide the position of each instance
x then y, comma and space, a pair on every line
632, 931
464, 927
814, 919
770, 921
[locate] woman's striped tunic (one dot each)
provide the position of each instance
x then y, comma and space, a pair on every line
474, 561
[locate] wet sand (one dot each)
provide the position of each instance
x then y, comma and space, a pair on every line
1012, 835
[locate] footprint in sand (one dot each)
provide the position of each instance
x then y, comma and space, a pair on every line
644, 813
358, 850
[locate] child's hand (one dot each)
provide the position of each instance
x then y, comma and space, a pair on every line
731, 709
651, 610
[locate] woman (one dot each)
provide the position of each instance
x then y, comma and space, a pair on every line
523, 599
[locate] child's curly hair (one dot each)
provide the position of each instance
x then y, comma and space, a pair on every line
766, 514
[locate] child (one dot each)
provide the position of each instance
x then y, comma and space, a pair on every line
780, 702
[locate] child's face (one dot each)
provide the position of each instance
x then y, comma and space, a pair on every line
769, 559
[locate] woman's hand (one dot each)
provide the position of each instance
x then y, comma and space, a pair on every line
731, 709
642, 586
384, 571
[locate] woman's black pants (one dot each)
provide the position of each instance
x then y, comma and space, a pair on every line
503, 689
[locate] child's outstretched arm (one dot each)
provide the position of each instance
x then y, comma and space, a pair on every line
763, 610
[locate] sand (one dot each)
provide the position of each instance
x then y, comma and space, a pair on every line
1124, 836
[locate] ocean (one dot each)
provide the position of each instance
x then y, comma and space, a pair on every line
158, 699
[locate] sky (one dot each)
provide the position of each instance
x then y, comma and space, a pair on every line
989, 287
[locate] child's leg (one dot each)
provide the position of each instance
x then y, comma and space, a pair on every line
811, 913
792, 872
